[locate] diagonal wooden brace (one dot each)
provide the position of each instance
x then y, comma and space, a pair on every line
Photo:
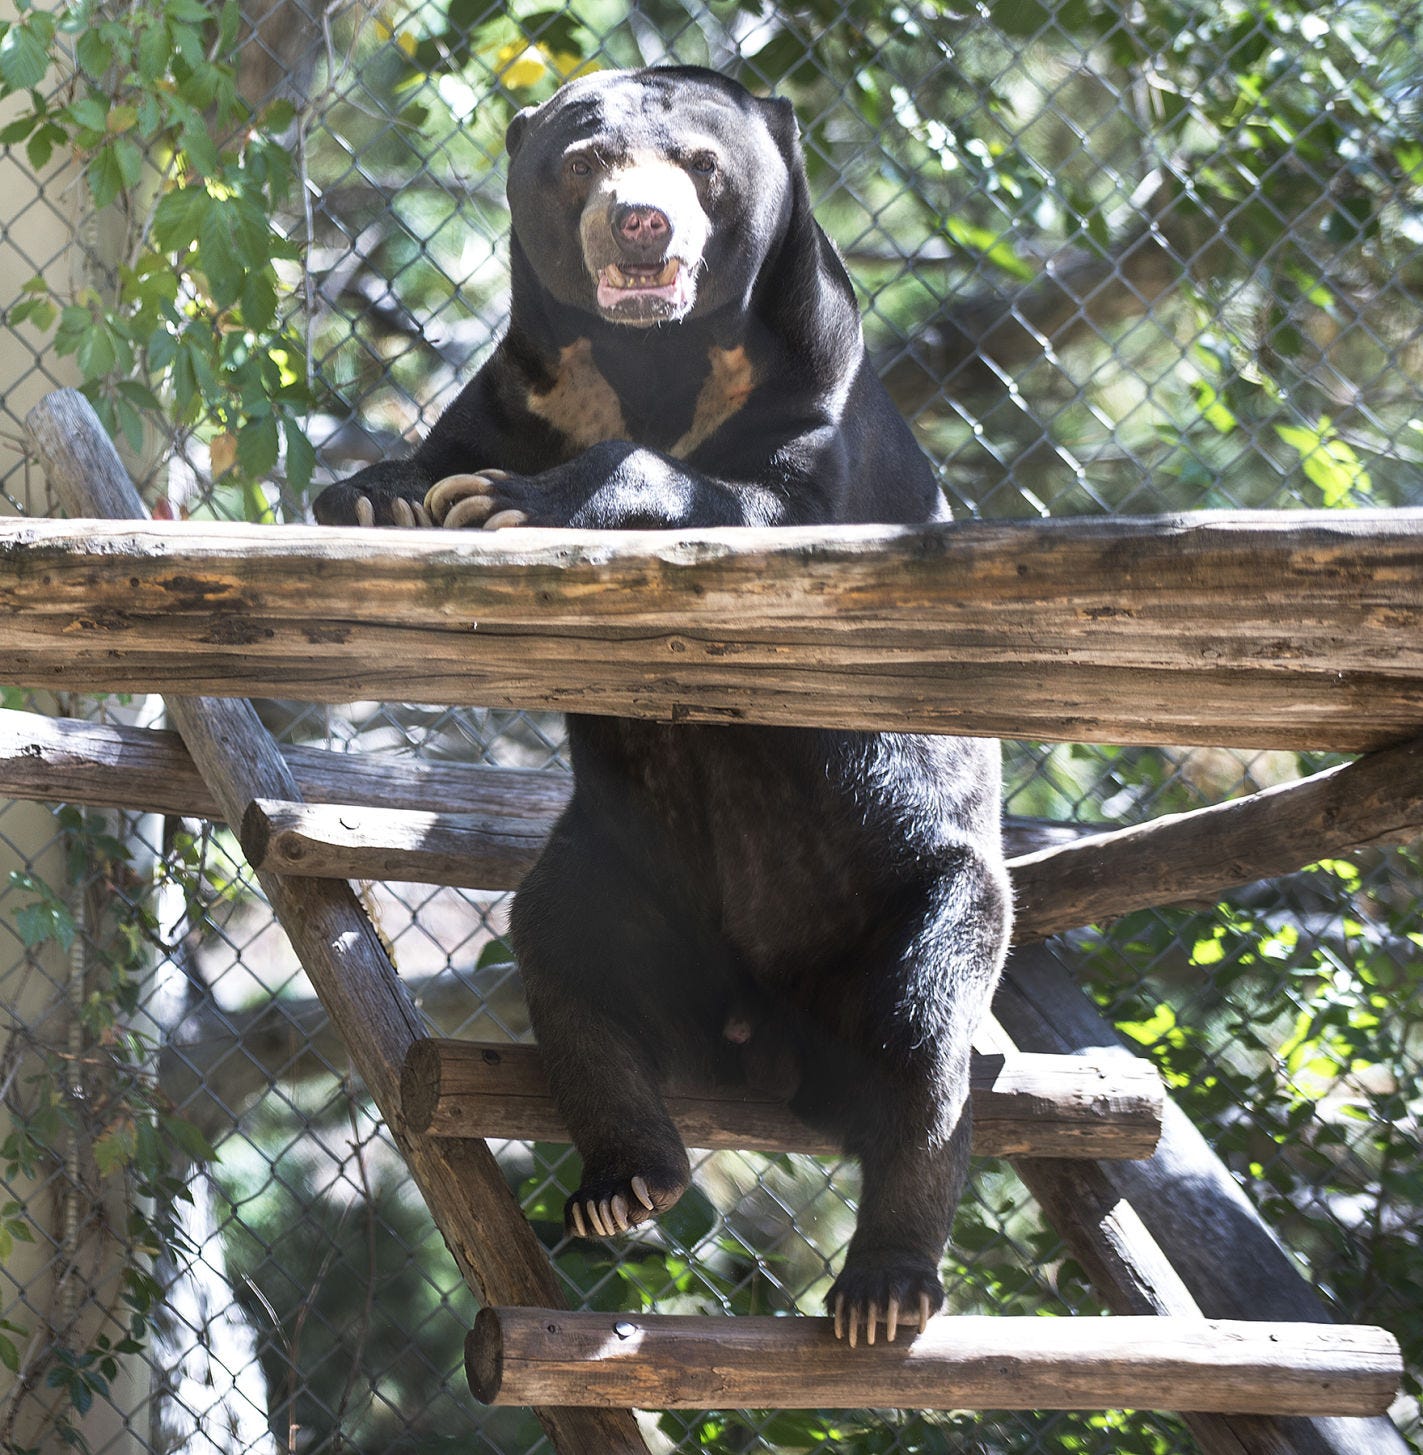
496, 1250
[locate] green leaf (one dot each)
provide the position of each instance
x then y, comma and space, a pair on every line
257, 444
40, 147
113, 168
198, 86
94, 53
228, 26
24, 58
233, 238
18, 130
189, 1138
153, 52
47, 921
131, 424
1328, 461
96, 354
89, 112
179, 216
301, 458
259, 300
115, 1148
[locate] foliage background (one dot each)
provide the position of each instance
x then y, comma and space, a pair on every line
1112, 257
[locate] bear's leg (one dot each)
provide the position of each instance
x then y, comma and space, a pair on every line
910, 1190
911, 1125
615, 996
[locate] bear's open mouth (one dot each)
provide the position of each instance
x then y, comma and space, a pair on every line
663, 287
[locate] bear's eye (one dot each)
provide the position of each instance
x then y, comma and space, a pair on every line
580, 167
704, 163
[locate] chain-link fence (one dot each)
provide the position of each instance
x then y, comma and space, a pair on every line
1112, 257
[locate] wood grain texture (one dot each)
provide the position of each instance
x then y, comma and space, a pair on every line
1281, 629
148, 770
1022, 1105
521, 1355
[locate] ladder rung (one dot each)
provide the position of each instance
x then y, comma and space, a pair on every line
521, 1356
1023, 1105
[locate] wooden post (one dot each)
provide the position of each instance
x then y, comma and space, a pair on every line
1059, 1106
523, 1356
462, 1184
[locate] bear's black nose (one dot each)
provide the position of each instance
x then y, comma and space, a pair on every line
643, 229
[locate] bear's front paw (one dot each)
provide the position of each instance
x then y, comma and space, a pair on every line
486, 500
885, 1291
348, 504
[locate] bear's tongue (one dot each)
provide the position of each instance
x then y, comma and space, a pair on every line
617, 284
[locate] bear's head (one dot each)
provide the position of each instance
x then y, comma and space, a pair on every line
651, 196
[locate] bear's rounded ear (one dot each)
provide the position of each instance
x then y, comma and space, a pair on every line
514, 137
780, 117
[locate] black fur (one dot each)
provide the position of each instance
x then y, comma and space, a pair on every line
824, 913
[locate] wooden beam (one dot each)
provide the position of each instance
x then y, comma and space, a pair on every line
1279, 629
481, 827
148, 770
461, 1183
668, 1361
1187, 857
350, 841
1059, 1106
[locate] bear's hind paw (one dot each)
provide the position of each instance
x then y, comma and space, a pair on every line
895, 1300
605, 1209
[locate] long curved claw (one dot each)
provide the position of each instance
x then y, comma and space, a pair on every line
444, 494
365, 511
639, 1190
502, 519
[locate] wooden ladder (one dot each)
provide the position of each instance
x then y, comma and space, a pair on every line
1053, 1088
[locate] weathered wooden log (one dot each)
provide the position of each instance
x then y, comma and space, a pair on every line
1275, 629
462, 1184
1182, 857
347, 841
481, 827
1118, 1218
523, 1356
1058, 1106
148, 770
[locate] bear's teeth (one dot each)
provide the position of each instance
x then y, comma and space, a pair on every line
665, 275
